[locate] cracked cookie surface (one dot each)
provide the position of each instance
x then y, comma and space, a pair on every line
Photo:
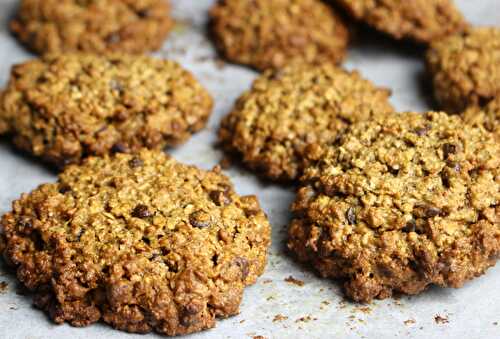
466, 68
280, 123
63, 108
271, 33
401, 203
420, 20
97, 26
138, 241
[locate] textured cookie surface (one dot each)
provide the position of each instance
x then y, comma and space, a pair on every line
420, 20
281, 122
55, 26
140, 242
269, 33
487, 117
63, 108
466, 68
403, 202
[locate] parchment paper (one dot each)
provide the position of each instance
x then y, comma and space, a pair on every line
273, 307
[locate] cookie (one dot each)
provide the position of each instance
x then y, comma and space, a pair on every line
61, 26
139, 241
270, 33
278, 125
419, 20
65, 107
401, 203
466, 68
487, 117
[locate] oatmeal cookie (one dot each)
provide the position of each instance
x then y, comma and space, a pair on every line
270, 33
66, 107
401, 203
278, 125
138, 241
466, 68
487, 117
97, 26
419, 20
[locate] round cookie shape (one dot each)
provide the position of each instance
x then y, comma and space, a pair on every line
65, 107
138, 241
280, 124
271, 33
420, 20
96, 26
401, 203
487, 117
466, 68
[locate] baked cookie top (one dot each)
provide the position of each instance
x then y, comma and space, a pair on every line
487, 117
419, 20
466, 68
65, 107
278, 126
97, 26
402, 202
138, 241
270, 33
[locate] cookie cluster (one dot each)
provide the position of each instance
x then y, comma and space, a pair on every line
387, 202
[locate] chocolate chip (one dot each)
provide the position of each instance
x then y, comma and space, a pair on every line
187, 314
432, 211
141, 211
449, 149
113, 38
421, 131
200, 219
144, 13
351, 216
64, 189
119, 148
242, 263
410, 226
135, 162
220, 198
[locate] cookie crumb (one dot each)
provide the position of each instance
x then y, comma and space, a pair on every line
305, 319
409, 322
495, 323
294, 281
440, 319
267, 281
279, 317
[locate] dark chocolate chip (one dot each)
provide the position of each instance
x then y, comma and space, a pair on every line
135, 162
421, 131
64, 189
200, 219
449, 149
141, 211
220, 198
119, 148
410, 226
432, 211
113, 38
351, 216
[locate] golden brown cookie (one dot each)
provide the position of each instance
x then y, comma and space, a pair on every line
270, 33
65, 107
138, 241
401, 202
487, 117
278, 125
55, 26
466, 68
419, 20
